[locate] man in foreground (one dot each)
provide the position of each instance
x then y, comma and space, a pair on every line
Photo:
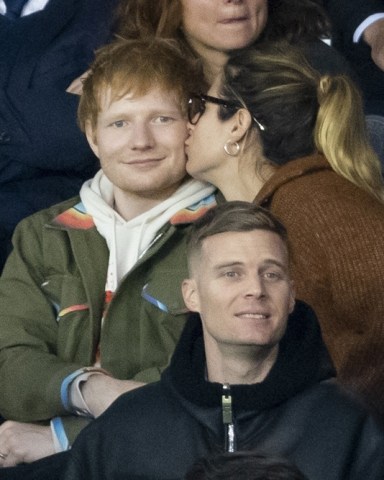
250, 372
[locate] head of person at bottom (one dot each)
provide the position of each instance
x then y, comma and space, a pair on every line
133, 111
241, 287
242, 465
268, 108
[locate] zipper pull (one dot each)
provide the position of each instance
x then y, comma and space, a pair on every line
226, 403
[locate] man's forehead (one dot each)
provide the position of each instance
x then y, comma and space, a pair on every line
255, 244
109, 95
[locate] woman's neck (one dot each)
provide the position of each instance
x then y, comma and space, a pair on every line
213, 60
239, 189
213, 68
244, 183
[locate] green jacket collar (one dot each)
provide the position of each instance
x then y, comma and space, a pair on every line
77, 218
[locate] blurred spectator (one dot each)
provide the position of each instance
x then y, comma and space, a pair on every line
44, 158
211, 29
358, 33
375, 126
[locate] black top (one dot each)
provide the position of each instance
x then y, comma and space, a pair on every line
298, 411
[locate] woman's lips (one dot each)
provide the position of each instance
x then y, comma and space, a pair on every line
232, 20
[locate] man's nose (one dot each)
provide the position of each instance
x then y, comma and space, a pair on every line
141, 136
255, 287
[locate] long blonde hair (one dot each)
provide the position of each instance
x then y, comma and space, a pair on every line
341, 135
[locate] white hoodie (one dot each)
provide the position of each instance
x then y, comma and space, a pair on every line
128, 240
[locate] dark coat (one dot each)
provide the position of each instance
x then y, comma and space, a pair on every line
44, 158
298, 411
346, 16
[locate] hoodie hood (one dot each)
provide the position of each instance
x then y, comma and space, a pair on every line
302, 361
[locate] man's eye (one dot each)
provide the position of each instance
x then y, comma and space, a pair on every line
231, 274
272, 276
119, 123
162, 119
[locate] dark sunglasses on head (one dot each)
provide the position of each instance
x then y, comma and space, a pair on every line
197, 105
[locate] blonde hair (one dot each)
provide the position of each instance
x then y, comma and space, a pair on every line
302, 112
341, 134
233, 216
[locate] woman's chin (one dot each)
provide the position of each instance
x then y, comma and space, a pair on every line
196, 174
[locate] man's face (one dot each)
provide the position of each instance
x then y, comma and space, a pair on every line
140, 143
241, 288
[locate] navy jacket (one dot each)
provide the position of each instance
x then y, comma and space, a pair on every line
346, 16
44, 158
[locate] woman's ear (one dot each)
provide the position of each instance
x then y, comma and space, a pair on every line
242, 122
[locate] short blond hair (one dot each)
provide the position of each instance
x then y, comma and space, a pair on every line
233, 216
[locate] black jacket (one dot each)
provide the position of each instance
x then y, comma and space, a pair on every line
298, 411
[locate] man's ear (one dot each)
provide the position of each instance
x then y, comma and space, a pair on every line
242, 122
190, 295
91, 137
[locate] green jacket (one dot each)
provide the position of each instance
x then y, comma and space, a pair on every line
52, 294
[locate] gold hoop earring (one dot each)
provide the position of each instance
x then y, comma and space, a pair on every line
232, 148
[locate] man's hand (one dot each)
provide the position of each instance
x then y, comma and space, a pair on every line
24, 443
374, 36
99, 391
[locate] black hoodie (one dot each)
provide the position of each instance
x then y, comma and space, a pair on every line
298, 411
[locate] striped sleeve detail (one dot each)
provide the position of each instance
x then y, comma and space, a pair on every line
75, 217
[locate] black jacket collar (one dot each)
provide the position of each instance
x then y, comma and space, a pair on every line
303, 361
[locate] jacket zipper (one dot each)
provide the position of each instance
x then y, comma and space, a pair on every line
229, 428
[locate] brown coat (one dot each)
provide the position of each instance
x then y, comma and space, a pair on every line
336, 233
